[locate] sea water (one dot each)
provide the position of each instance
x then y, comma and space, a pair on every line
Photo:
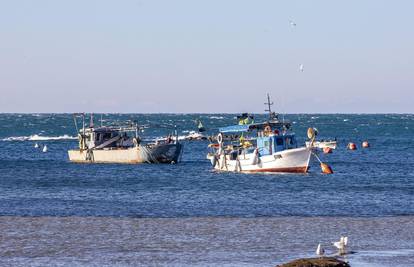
57, 213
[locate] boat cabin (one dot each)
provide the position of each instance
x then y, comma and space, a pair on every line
272, 136
105, 138
268, 145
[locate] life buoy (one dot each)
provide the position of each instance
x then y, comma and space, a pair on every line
267, 130
220, 138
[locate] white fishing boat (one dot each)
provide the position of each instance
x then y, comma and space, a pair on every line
273, 148
193, 135
196, 135
322, 144
112, 144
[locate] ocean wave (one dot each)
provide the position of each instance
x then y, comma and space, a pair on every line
216, 117
36, 137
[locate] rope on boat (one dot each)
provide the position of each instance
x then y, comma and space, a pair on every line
316, 156
325, 168
148, 155
89, 155
181, 152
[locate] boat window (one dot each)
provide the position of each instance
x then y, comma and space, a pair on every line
279, 141
290, 142
107, 136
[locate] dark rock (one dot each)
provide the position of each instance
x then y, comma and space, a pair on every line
316, 262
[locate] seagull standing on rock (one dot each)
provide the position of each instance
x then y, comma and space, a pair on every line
320, 251
341, 245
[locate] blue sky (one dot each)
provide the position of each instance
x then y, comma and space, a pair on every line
206, 56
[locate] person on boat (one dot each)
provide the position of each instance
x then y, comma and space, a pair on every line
244, 143
267, 130
245, 119
200, 126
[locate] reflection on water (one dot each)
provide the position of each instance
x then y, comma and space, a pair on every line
109, 241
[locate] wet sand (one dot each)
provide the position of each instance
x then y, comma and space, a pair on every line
211, 241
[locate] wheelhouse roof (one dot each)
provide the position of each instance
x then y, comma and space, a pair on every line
255, 126
110, 129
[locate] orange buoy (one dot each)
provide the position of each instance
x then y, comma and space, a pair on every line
352, 146
326, 169
365, 144
327, 150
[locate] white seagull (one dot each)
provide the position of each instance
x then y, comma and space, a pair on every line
345, 241
36, 145
341, 244
320, 251
301, 67
292, 23
44, 149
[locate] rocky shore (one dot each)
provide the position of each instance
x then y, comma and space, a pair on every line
316, 262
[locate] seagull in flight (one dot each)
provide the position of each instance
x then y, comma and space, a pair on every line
292, 23
301, 67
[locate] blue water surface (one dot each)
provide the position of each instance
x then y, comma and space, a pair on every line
378, 181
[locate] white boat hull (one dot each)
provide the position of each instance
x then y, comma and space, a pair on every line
323, 144
291, 160
166, 153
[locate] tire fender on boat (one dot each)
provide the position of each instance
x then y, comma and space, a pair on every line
237, 167
214, 160
223, 161
255, 159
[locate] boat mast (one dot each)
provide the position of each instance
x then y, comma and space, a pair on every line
272, 115
76, 123
83, 123
91, 121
